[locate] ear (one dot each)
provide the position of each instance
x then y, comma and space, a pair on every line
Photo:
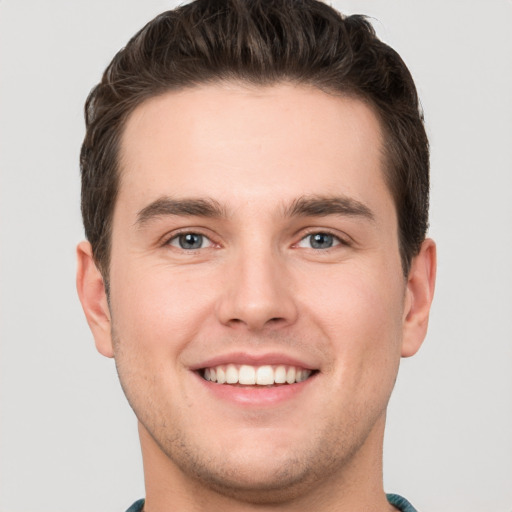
418, 298
91, 291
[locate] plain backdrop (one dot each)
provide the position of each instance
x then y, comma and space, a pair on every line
68, 440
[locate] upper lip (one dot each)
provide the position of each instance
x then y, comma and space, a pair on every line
269, 358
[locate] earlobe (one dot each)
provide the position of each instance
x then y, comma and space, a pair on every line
91, 291
419, 295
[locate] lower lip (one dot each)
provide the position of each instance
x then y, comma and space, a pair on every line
256, 395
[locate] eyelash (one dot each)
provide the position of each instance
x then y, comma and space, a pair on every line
176, 236
339, 241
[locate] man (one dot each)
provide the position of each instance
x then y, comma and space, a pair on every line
255, 199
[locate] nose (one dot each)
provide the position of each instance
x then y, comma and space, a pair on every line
257, 292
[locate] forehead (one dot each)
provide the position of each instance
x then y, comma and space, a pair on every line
234, 142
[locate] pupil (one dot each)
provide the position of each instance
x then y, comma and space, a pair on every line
321, 241
191, 241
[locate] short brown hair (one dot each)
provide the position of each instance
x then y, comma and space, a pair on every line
260, 42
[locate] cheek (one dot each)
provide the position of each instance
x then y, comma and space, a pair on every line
361, 315
157, 310
365, 332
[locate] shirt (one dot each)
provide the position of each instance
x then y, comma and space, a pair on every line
397, 501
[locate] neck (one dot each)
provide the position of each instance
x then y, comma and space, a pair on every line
355, 485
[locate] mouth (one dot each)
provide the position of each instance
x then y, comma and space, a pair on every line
264, 375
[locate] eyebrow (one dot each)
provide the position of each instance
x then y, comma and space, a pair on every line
320, 206
166, 206
305, 206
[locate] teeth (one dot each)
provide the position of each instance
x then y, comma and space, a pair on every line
231, 374
221, 375
247, 375
265, 376
290, 375
280, 375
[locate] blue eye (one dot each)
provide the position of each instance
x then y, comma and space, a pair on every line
319, 241
188, 241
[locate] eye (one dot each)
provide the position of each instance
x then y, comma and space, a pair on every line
190, 241
319, 241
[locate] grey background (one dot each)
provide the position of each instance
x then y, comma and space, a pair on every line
68, 440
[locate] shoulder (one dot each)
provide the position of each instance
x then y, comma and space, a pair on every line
137, 506
400, 503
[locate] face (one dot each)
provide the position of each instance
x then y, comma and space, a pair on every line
258, 306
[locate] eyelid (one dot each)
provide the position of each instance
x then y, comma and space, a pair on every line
169, 237
342, 238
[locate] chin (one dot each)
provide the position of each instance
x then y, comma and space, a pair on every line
258, 472
261, 483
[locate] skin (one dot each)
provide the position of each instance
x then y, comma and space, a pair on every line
257, 287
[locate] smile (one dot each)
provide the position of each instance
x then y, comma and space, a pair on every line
246, 375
